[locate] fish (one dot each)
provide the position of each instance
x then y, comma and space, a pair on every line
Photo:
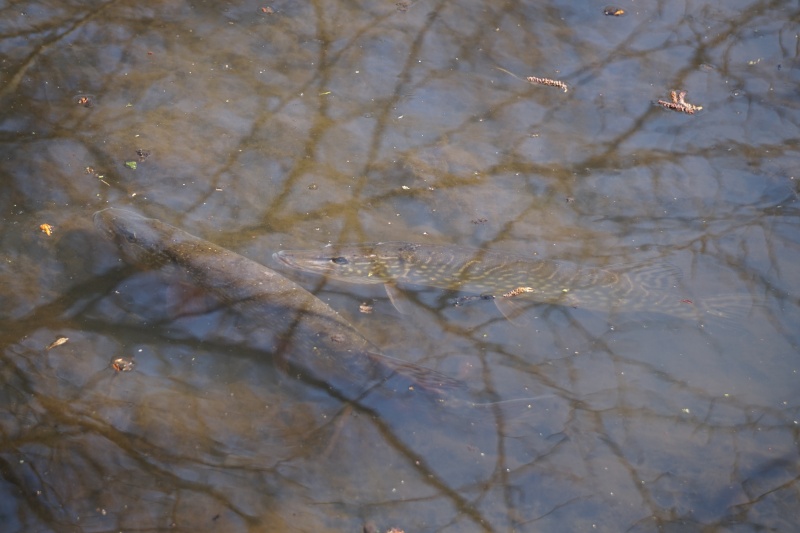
507, 279
309, 339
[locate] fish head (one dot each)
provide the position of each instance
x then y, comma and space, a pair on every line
357, 263
136, 237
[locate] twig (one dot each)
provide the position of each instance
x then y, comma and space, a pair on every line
538, 81
518, 291
547, 81
679, 104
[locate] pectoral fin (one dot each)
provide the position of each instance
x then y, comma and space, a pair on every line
515, 310
399, 301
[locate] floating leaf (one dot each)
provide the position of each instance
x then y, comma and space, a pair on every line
122, 364
58, 342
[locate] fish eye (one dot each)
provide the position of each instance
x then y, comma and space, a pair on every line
130, 236
339, 260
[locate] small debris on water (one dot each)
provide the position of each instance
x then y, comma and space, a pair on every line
47, 229
143, 154
370, 527
101, 177
122, 364
679, 104
477, 221
58, 342
131, 164
86, 100
547, 81
613, 11
538, 81
365, 308
517, 292
267, 10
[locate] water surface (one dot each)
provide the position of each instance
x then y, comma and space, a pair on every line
358, 122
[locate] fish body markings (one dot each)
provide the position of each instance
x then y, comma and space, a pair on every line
643, 287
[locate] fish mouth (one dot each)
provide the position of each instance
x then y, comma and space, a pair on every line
112, 221
322, 264
301, 260
282, 257
133, 233
104, 221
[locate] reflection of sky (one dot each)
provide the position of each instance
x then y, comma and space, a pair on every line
349, 123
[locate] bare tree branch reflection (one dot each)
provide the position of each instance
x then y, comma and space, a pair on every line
342, 122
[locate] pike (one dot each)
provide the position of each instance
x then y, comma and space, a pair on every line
309, 338
506, 278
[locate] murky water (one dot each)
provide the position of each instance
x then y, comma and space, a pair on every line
291, 125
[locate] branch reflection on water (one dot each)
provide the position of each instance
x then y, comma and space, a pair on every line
340, 122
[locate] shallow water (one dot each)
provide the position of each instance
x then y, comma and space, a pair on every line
359, 122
